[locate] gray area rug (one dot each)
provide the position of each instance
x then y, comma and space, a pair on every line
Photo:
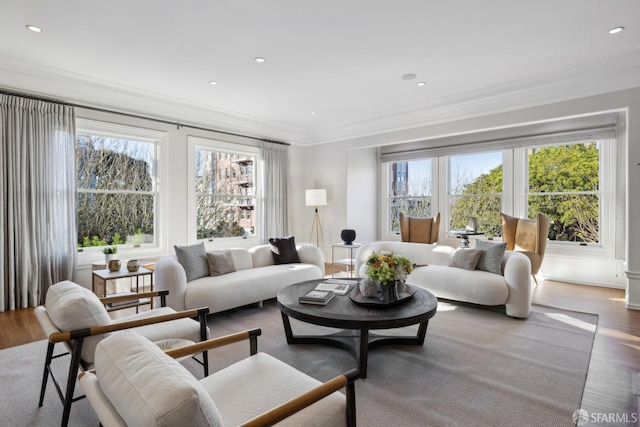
478, 367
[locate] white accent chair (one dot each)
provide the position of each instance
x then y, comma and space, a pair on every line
135, 383
76, 317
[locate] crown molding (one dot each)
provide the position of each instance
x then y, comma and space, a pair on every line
69, 87
595, 78
598, 77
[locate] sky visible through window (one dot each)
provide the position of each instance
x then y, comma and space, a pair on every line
465, 169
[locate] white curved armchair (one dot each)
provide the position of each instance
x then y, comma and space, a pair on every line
135, 383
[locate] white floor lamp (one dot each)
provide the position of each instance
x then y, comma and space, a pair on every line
316, 198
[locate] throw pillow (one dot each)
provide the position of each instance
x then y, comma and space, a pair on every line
284, 250
491, 259
193, 259
220, 263
466, 258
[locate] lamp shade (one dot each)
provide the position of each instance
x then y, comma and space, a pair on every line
316, 197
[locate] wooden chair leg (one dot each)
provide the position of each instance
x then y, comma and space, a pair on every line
534, 279
45, 375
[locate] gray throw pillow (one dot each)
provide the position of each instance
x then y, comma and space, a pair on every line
491, 259
466, 258
220, 263
193, 259
284, 250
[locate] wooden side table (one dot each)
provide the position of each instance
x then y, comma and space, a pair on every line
100, 278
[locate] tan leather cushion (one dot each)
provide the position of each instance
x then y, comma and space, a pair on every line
419, 230
526, 236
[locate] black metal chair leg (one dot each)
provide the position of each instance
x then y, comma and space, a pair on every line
45, 375
71, 381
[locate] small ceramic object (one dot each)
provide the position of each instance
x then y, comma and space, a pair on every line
114, 265
133, 265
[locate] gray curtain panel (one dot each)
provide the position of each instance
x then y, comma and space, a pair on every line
38, 199
276, 178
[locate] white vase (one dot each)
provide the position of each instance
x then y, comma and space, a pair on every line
109, 257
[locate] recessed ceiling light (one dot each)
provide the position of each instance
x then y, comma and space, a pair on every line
408, 77
260, 59
34, 28
420, 84
616, 30
313, 113
213, 83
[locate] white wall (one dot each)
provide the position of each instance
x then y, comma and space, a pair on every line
326, 166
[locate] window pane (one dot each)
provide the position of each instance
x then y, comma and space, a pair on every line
225, 194
115, 183
575, 217
114, 164
475, 189
115, 218
225, 216
410, 191
486, 209
564, 184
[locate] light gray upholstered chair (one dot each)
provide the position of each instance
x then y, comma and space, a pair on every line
77, 318
135, 383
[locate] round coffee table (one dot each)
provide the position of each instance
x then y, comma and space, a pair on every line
355, 320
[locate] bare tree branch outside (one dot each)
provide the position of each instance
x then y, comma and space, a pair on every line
116, 197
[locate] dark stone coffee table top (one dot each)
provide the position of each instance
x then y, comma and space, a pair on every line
343, 313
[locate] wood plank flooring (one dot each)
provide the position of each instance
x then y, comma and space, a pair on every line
615, 358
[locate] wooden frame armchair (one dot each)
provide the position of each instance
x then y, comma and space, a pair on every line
78, 341
259, 390
419, 230
527, 236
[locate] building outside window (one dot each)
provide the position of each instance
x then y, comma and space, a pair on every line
225, 202
410, 191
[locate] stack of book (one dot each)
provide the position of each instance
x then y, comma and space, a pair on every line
317, 297
337, 286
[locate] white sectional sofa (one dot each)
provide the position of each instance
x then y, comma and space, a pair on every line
257, 278
433, 273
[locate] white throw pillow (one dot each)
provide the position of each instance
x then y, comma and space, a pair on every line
149, 388
71, 306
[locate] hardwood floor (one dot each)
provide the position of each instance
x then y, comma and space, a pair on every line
615, 358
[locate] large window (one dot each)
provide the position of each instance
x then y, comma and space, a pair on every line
564, 184
225, 190
570, 182
475, 189
410, 191
116, 187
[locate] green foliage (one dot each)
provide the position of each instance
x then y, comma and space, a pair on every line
567, 168
109, 250
88, 242
384, 267
117, 240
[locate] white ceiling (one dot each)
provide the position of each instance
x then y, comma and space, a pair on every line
343, 59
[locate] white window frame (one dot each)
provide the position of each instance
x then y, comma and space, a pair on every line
195, 143
607, 191
160, 139
515, 175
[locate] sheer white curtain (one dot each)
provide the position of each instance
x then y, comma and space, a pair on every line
276, 177
38, 203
